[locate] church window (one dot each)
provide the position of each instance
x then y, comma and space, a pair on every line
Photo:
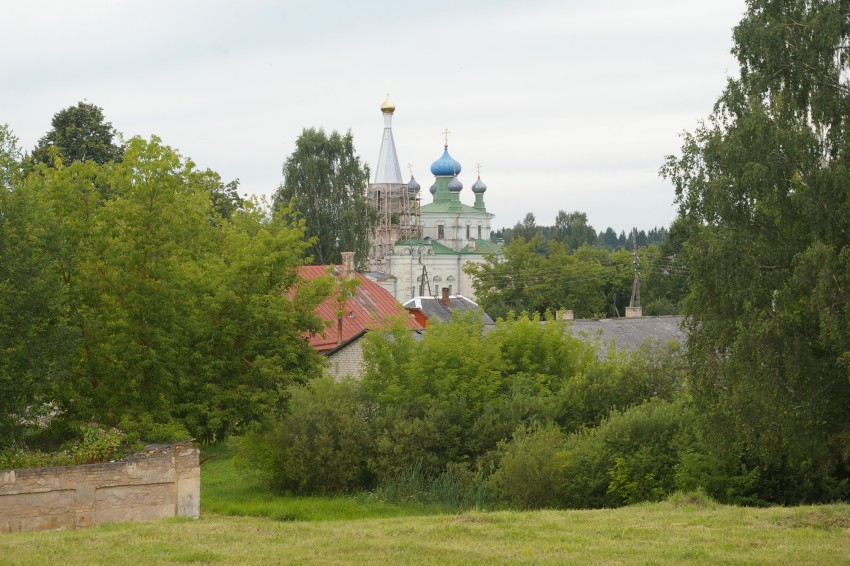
467, 231
479, 231
450, 280
441, 231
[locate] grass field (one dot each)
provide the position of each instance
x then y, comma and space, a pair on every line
358, 530
667, 532
228, 491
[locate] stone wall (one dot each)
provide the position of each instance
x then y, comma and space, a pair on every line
162, 481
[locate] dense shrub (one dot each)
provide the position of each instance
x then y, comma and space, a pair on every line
531, 467
93, 444
630, 457
620, 381
441, 415
320, 446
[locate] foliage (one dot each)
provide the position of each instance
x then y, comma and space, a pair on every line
428, 417
666, 275
319, 446
225, 199
618, 382
590, 281
726, 481
35, 333
79, 133
456, 487
764, 183
142, 305
572, 230
325, 184
10, 156
94, 444
231, 489
630, 457
531, 467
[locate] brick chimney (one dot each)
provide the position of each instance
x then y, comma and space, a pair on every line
348, 265
444, 300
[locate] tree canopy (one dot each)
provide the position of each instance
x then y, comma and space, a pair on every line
79, 133
765, 183
145, 307
325, 183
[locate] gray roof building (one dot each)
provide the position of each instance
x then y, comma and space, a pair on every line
629, 333
441, 308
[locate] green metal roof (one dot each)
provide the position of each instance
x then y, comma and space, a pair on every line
482, 247
450, 208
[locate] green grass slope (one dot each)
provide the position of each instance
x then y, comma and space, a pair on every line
241, 523
670, 532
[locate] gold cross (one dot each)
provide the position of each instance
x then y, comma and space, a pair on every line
446, 133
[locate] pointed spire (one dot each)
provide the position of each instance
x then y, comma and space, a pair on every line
387, 170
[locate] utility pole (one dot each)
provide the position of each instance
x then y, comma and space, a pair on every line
634, 309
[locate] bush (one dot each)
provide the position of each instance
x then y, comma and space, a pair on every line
622, 380
95, 444
630, 457
530, 472
320, 446
726, 481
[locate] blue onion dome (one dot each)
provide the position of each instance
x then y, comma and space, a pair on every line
445, 166
478, 186
433, 189
412, 185
455, 185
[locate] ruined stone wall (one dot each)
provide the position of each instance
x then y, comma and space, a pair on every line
162, 481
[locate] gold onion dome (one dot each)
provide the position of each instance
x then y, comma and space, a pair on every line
387, 107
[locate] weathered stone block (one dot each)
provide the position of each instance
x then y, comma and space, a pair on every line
163, 481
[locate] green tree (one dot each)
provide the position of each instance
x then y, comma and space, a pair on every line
79, 133
766, 183
10, 156
665, 273
573, 230
148, 309
35, 339
501, 284
326, 185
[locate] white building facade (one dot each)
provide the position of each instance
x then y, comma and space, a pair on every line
419, 249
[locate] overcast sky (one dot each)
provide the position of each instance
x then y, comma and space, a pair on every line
566, 104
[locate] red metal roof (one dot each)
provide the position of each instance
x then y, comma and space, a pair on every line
370, 308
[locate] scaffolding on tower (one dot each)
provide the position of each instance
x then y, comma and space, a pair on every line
399, 219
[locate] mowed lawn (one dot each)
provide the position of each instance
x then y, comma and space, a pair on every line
645, 534
260, 528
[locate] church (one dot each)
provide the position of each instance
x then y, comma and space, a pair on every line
419, 249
